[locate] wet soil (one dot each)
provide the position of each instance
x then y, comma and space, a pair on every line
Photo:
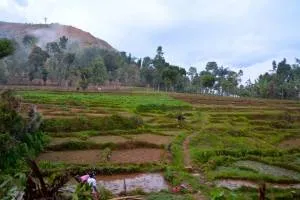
269, 169
108, 139
150, 182
151, 138
142, 155
147, 182
291, 143
236, 184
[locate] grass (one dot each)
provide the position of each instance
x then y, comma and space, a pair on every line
94, 123
167, 196
110, 100
232, 136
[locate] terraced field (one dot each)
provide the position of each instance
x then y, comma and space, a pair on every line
225, 147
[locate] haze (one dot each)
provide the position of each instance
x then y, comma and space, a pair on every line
237, 34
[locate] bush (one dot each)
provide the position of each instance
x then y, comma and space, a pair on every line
104, 194
82, 191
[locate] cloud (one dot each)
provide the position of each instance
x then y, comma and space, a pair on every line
240, 34
23, 3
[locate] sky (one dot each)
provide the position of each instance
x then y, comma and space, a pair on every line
239, 34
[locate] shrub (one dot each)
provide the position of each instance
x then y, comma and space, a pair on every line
83, 191
104, 194
137, 191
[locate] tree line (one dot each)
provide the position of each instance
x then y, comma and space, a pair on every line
66, 64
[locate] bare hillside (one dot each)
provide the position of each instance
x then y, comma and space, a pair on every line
51, 32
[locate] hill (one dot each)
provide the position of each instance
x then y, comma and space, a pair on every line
51, 32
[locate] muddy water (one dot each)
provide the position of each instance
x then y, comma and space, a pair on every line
269, 169
236, 184
149, 182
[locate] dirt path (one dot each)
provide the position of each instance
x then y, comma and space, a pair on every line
186, 152
188, 165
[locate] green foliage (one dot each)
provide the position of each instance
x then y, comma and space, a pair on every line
29, 40
36, 60
126, 101
19, 137
6, 48
104, 194
82, 191
281, 83
217, 195
11, 185
137, 191
167, 196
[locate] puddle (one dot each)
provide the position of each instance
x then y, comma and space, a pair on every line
148, 182
236, 184
268, 169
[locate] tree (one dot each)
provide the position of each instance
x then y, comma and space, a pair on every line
99, 73
53, 48
212, 67
172, 77
29, 41
160, 65
45, 75
63, 42
274, 65
207, 80
110, 62
68, 60
6, 48
147, 62
129, 59
37, 59
159, 60
192, 72
139, 63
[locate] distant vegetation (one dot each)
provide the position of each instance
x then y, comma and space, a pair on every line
64, 64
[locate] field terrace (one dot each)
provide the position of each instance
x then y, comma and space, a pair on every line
223, 146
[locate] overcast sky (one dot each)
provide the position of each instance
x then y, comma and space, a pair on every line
246, 34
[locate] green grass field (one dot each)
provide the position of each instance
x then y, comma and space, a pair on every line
221, 140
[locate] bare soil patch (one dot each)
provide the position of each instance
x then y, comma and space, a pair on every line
108, 139
57, 116
57, 141
290, 143
142, 155
151, 138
